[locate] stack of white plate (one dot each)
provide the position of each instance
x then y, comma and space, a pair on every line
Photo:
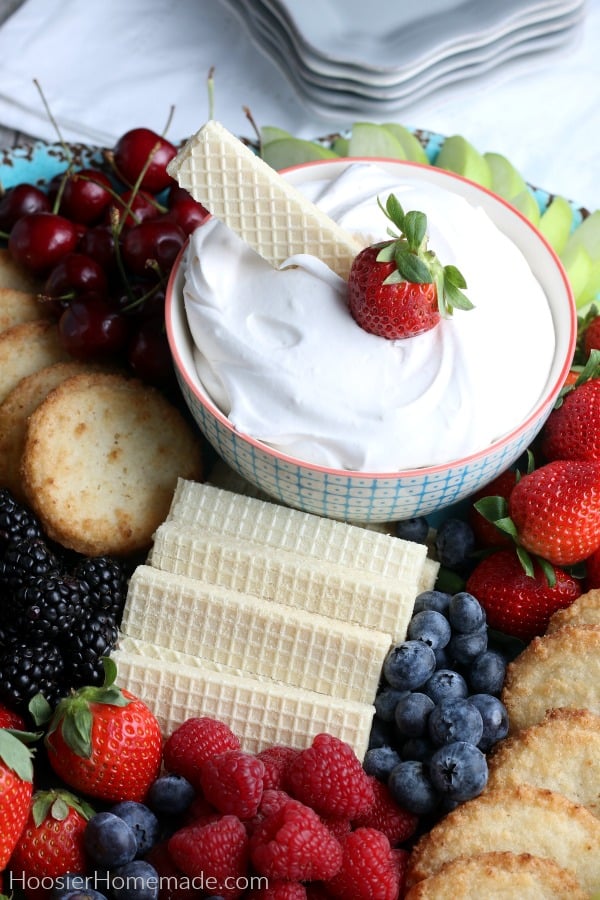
349, 56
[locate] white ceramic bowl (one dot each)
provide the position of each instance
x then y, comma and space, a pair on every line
383, 497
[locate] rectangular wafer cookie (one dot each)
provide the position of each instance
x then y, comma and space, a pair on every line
259, 636
260, 206
177, 686
289, 578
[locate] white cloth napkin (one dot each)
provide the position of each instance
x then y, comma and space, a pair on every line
109, 65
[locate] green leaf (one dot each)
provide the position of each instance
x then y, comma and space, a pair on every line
40, 709
15, 755
412, 268
387, 252
526, 561
393, 210
40, 807
77, 730
455, 299
492, 508
454, 276
548, 570
415, 228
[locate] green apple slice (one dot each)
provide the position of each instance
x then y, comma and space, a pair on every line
340, 145
458, 155
280, 154
578, 266
269, 133
584, 244
369, 139
526, 203
506, 180
410, 144
556, 222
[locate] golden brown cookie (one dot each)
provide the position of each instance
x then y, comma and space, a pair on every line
25, 348
557, 669
499, 876
19, 306
560, 753
101, 461
15, 276
521, 819
15, 410
583, 611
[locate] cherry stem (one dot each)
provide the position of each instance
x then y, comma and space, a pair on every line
210, 84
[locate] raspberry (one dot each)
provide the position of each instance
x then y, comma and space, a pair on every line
369, 868
401, 858
329, 777
193, 742
271, 801
396, 823
233, 782
276, 760
180, 886
293, 844
338, 827
216, 852
279, 890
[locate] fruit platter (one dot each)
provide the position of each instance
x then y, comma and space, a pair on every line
206, 692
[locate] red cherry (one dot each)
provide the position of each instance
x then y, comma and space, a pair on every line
20, 200
132, 152
39, 240
141, 208
86, 194
188, 213
149, 355
91, 328
75, 274
159, 240
98, 242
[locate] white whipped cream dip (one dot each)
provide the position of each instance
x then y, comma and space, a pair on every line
281, 356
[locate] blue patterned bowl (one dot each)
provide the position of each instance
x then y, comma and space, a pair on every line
388, 496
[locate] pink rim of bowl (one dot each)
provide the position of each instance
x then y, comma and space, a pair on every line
543, 260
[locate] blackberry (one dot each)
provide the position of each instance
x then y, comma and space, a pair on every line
25, 559
49, 606
107, 583
95, 638
29, 668
16, 522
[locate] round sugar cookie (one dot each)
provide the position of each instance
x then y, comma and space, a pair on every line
101, 461
557, 669
25, 348
15, 410
559, 753
583, 611
519, 819
18, 306
501, 876
12, 275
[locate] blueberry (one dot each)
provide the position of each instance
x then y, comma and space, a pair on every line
381, 733
136, 880
142, 822
445, 683
454, 543
408, 665
494, 717
385, 703
380, 761
443, 659
109, 840
455, 719
81, 894
464, 648
75, 886
412, 713
487, 672
170, 795
437, 600
419, 748
466, 613
430, 626
411, 788
415, 529
459, 771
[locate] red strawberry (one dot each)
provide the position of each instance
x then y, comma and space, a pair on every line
329, 777
233, 782
16, 789
396, 823
194, 741
11, 719
592, 571
591, 338
556, 510
51, 844
572, 430
516, 603
293, 844
105, 742
398, 288
216, 853
486, 533
369, 869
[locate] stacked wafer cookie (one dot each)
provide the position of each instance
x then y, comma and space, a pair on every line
271, 619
